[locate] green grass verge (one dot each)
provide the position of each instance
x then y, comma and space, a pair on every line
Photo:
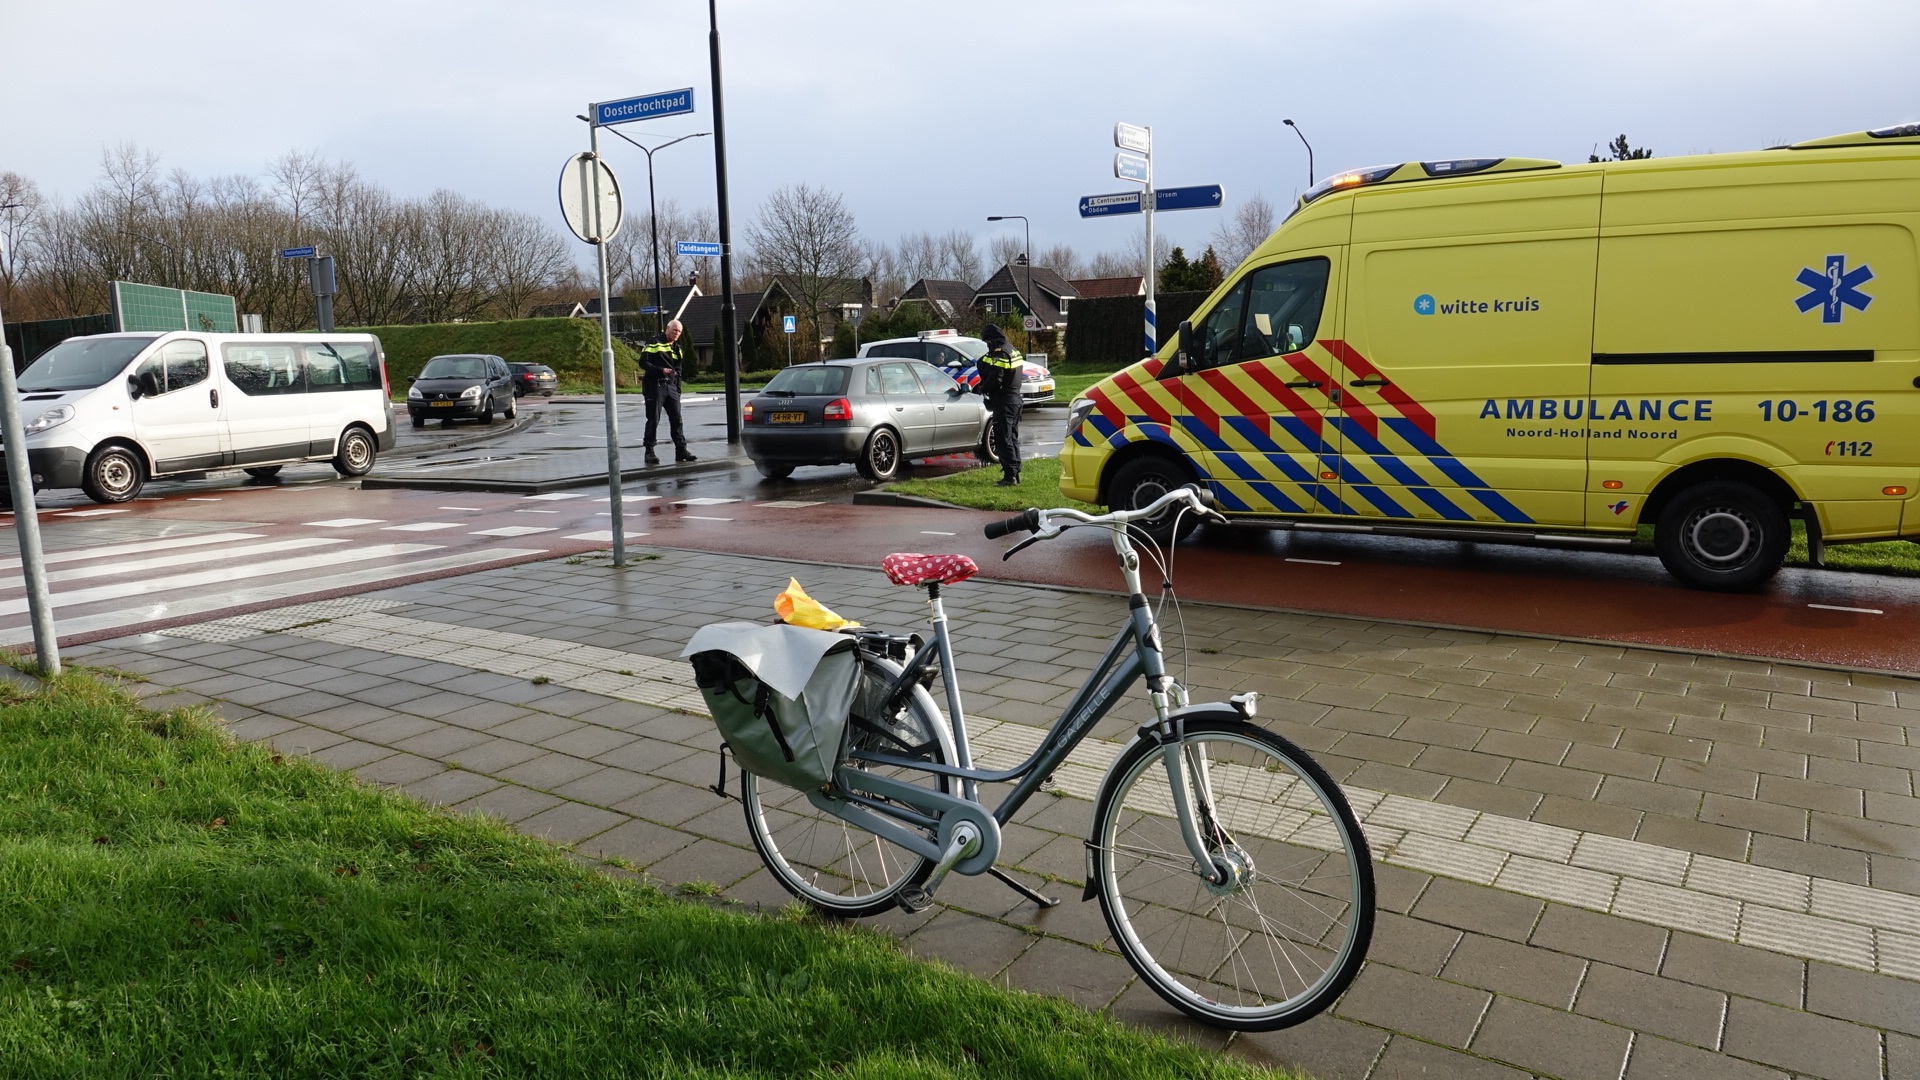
172, 904
571, 347
1039, 486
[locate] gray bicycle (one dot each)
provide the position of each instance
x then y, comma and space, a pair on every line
1229, 866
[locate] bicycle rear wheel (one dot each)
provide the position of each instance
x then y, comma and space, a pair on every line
840, 869
1278, 941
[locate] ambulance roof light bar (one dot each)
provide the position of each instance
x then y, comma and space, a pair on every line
1421, 170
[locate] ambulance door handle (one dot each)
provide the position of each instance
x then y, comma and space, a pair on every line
1297, 383
1374, 381
213, 397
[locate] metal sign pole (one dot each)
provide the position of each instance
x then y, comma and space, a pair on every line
26, 519
1146, 211
730, 334
608, 377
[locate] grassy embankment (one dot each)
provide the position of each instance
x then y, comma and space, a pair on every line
173, 903
571, 347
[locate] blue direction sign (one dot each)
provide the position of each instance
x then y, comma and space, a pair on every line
1201, 197
1125, 202
296, 253
644, 107
706, 248
1130, 167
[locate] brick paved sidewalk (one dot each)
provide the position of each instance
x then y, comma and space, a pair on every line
1596, 861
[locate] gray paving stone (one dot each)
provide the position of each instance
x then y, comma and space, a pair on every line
1552, 1042
352, 754
1583, 816
570, 823
393, 729
1398, 1000
1612, 940
1139, 1007
303, 740
971, 944
1802, 1042
1411, 944
1903, 1058
1666, 1007
1411, 1059
1864, 998
1064, 970
1817, 860
1736, 969
642, 843
1688, 835
608, 787
1863, 835
450, 787
509, 802
1324, 1047
1659, 1059
398, 769
1516, 970
1482, 910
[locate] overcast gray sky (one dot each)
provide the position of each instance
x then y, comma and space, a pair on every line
932, 116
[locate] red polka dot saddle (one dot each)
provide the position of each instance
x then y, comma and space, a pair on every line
907, 569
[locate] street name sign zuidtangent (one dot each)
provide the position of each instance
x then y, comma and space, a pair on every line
702, 248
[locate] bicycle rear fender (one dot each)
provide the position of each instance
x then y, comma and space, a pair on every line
1206, 710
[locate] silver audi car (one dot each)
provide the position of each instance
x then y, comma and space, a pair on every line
878, 414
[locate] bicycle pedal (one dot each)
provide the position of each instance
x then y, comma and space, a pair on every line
913, 899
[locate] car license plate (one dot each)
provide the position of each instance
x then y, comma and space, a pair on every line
788, 418
442, 404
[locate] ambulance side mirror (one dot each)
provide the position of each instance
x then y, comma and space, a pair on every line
1184, 356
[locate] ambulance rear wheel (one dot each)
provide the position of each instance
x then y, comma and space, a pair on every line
1144, 479
1722, 535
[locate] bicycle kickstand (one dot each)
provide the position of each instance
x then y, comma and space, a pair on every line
1002, 877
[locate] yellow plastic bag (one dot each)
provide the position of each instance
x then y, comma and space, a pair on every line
797, 608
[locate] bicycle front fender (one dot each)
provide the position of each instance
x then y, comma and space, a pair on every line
1218, 711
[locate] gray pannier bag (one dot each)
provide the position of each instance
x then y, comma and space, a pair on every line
779, 694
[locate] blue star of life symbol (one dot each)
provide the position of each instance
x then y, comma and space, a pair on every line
1423, 304
1837, 288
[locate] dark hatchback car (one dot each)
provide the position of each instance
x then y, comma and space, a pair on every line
878, 414
469, 385
533, 379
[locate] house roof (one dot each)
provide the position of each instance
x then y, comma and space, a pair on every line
1090, 288
673, 297
945, 297
838, 290
701, 316
1048, 288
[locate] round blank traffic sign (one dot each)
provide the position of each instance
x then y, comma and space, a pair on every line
592, 219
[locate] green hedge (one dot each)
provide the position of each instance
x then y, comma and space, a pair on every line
571, 347
1107, 331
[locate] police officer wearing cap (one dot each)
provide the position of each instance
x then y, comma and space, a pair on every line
1000, 371
660, 385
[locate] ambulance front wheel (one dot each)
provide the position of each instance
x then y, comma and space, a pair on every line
1144, 479
1722, 535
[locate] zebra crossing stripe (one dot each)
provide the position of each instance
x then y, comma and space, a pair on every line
126, 589
109, 551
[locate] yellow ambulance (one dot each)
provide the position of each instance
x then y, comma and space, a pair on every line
1516, 349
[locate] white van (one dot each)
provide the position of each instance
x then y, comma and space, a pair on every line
109, 412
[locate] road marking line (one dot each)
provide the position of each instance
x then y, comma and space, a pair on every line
1316, 562
604, 536
626, 498
558, 495
187, 558
698, 517
113, 550
196, 605
425, 526
513, 530
475, 509
92, 513
703, 501
124, 589
203, 498
536, 511
345, 523
935, 532
1853, 610
788, 504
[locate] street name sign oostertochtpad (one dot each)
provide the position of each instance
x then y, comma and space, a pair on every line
703, 248
297, 253
1199, 197
577, 199
644, 107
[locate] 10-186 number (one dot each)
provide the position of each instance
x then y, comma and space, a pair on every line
1840, 412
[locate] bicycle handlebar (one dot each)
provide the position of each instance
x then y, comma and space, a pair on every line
1042, 521
1027, 521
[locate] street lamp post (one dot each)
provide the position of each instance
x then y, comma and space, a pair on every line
1308, 145
653, 217
1026, 292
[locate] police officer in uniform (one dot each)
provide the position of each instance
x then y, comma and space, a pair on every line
1000, 372
660, 385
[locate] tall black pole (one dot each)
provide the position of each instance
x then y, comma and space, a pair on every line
728, 329
653, 218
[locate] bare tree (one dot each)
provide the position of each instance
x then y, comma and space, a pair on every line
807, 237
1127, 261
1248, 228
1062, 260
524, 257
1004, 248
21, 210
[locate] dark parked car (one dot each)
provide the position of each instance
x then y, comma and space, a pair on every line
470, 385
533, 379
878, 414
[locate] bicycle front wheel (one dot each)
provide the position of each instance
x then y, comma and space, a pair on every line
842, 870
1285, 932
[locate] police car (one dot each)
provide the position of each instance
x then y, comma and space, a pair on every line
960, 357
